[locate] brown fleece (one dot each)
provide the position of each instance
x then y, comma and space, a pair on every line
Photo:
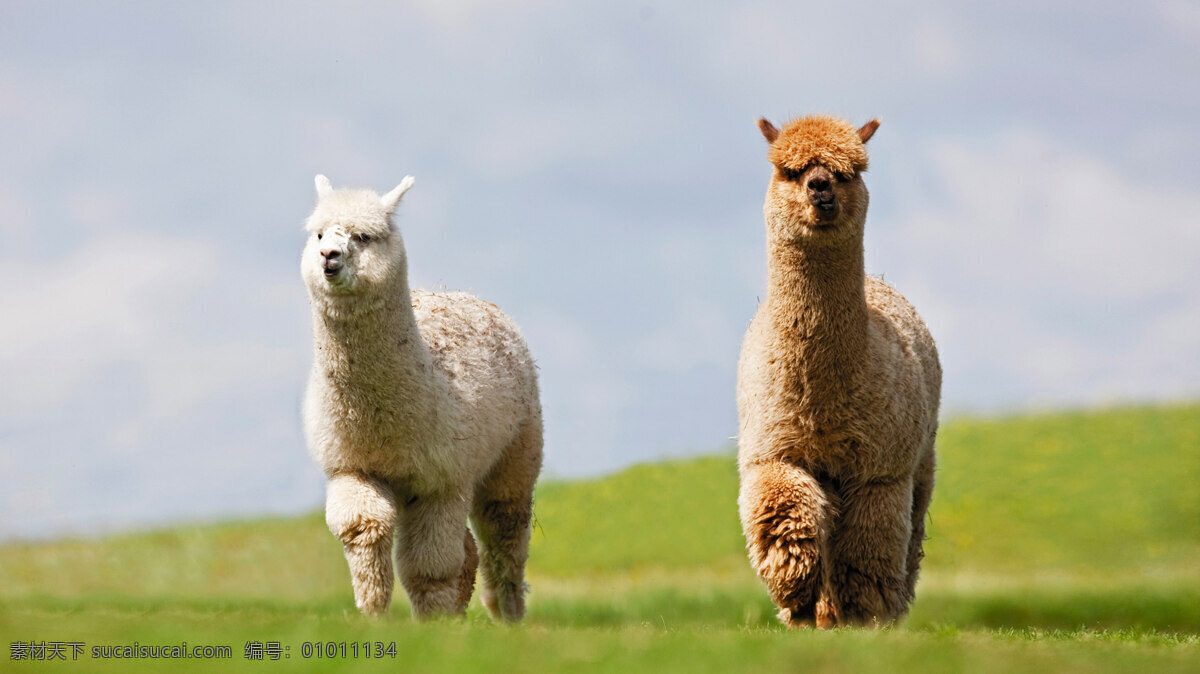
466, 579
819, 140
838, 391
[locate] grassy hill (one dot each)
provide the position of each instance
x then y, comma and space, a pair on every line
1065, 542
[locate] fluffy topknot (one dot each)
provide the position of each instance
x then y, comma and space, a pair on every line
357, 210
819, 139
361, 211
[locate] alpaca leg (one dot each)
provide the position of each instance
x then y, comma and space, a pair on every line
466, 579
784, 515
501, 516
503, 528
922, 492
361, 513
869, 553
433, 554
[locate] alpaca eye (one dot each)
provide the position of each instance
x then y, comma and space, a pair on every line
841, 177
793, 175
319, 235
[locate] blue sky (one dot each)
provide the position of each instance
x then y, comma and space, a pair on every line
593, 170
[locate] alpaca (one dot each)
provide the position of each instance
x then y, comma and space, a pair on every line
422, 410
838, 392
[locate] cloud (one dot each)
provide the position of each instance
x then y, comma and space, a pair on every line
694, 332
702, 326
938, 48
1054, 274
150, 300
585, 392
593, 170
143, 371
1181, 17
104, 302
458, 15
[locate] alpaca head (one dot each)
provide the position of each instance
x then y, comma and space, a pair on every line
353, 247
817, 193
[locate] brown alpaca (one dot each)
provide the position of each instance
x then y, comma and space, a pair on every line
838, 391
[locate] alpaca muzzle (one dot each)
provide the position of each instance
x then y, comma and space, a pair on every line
820, 194
331, 262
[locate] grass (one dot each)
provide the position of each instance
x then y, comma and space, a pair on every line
1066, 542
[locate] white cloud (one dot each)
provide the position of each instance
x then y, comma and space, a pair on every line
102, 303
1038, 216
853, 58
938, 47
701, 325
585, 168
696, 331
1164, 361
14, 215
143, 372
1181, 17
130, 300
463, 13
585, 392
1065, 278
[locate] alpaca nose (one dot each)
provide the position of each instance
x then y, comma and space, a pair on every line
820, 193
331, 261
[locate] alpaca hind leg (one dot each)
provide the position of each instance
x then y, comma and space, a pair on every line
501, 516
922, 493
503, 528
361, 513
434, 556
785, 514
869, 552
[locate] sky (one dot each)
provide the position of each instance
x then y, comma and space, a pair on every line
594, 170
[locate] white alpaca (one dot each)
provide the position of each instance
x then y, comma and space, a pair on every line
422, 409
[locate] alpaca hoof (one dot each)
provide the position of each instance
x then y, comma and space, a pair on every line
826, 617
795, 621
435, 602
488, 597
372, 607
506, 606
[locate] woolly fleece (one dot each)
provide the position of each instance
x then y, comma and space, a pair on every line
829, 141
838, 391
422, 409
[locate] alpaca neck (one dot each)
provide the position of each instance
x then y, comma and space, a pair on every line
371, 344
817, 306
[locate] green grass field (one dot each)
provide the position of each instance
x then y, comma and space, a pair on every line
1065, 542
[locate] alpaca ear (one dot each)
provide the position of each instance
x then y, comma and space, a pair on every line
389, 200
868, 130
324, 188
768, 129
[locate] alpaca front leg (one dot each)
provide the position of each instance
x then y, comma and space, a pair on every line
361, 513
784, 515
433, 555
870, 552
